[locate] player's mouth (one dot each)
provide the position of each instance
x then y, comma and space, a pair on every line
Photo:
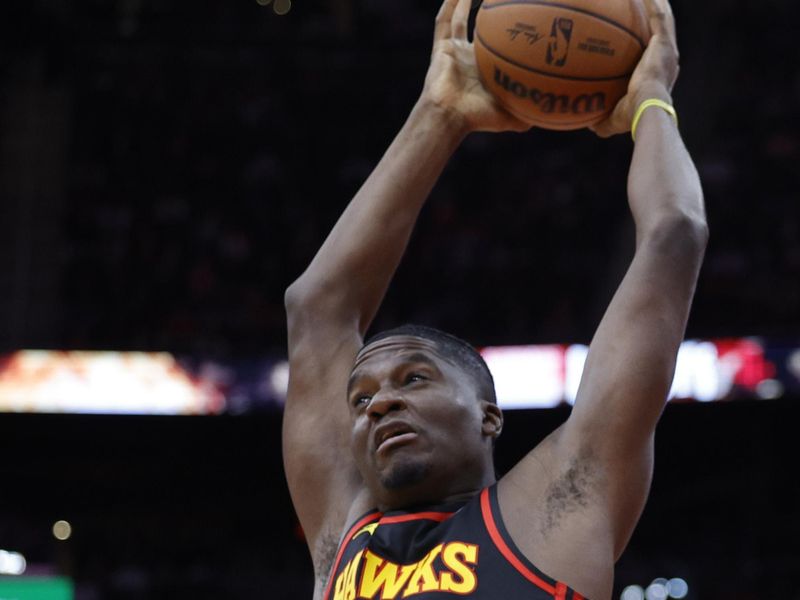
392, 435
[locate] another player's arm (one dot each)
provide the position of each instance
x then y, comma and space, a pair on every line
333, 302
631, 360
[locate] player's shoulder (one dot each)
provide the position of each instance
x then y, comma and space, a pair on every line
553, 507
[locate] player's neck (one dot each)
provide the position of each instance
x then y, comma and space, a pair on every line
408, 499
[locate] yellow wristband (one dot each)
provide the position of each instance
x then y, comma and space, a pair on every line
647, 104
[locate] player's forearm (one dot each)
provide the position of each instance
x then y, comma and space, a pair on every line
663, 185
348, 277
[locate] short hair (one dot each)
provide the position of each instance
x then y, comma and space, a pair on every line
453, 348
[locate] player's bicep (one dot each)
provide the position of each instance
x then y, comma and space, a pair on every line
631, 360
628, 374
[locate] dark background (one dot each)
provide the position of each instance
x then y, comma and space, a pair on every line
167, 168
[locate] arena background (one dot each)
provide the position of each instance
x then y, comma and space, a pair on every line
167, 168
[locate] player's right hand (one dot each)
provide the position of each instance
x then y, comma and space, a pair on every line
654, 76
453, 82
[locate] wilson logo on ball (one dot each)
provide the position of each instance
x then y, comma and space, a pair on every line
583, 104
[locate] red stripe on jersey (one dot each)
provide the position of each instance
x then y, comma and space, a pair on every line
561, 591
430, 516
345, 541
512, 558
577, 596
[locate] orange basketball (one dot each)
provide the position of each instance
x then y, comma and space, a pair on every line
561, 64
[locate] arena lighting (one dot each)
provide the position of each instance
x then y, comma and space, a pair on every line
103, 382
659, 589
677, 588
793, 363
696, 374
632, 592
769, 389
62, 530
279, 378
545, 376
12, 563
527, 376
656, 591
282, 7
574, 359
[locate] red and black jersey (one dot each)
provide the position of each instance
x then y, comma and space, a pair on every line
435, 553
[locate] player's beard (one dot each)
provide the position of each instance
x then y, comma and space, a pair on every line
404, 474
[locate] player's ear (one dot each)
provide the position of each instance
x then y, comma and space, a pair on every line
492, 420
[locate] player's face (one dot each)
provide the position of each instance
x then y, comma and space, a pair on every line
419, 432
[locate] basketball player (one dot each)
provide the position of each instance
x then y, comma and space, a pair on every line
388, 445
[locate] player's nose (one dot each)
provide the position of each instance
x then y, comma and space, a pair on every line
385, 402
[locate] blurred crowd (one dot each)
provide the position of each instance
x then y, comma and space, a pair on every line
213, 146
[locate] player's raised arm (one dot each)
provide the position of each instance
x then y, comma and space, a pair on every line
333, 302
632, 357
592, 476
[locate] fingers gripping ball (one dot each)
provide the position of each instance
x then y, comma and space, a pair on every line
560, 64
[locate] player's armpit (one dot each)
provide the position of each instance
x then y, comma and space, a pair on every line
551, 504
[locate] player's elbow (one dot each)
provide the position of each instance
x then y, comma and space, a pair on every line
294, 296
299, 303
307, 299
679, 232
301, 296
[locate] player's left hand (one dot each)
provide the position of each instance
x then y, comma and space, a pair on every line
453, 81
654, 76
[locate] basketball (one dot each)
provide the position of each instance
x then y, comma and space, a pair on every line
560, 64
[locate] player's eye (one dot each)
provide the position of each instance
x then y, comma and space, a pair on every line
413, 377
361, 399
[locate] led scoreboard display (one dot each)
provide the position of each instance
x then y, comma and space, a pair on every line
36, 588
531, 376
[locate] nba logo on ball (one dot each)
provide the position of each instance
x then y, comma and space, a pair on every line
575, 76
557, 49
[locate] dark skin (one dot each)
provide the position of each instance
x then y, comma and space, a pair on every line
572, 502
404, 390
